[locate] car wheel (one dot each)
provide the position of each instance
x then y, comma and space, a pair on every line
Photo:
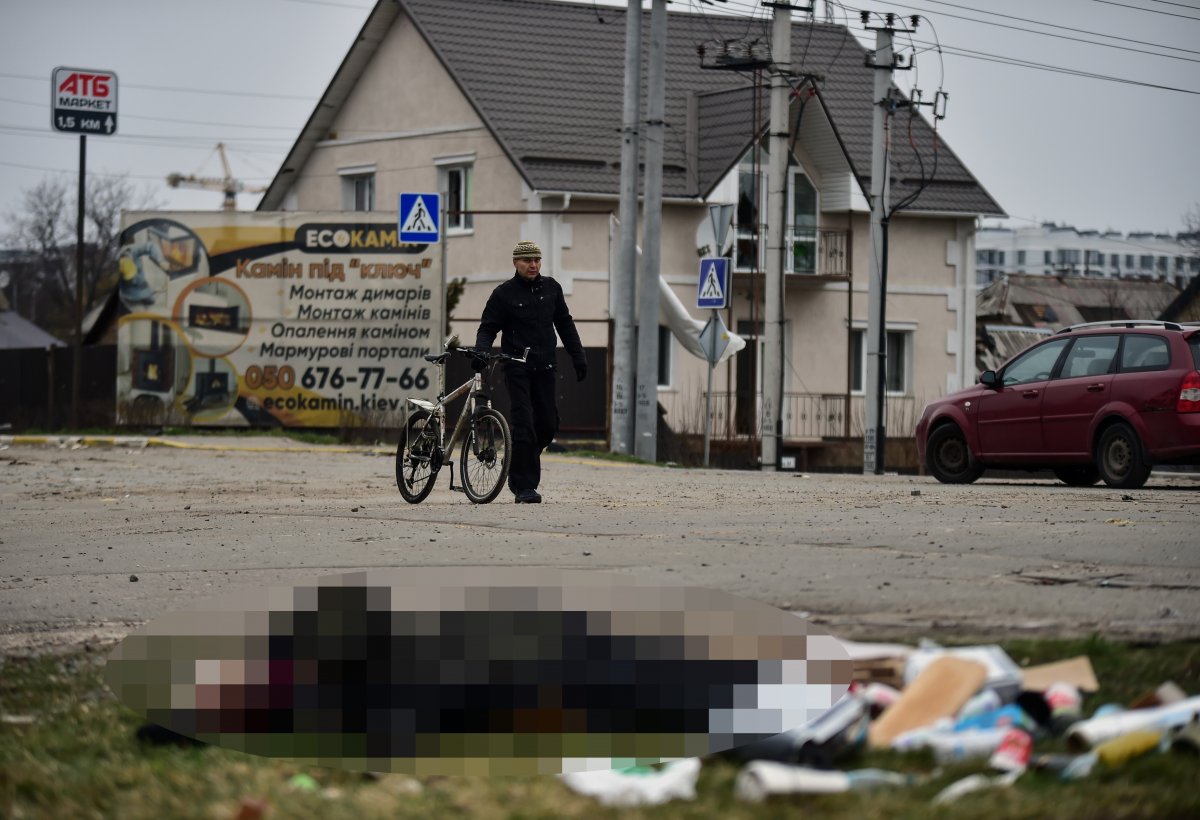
1078, 475
1120, 458
948, 456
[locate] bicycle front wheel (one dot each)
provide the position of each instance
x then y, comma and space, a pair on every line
485, 456
417, 457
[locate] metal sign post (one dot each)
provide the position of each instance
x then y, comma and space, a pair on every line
82, 101
712, 292
714, 339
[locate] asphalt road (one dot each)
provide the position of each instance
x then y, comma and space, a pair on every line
867, 557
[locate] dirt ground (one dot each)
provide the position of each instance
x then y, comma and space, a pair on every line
97, 539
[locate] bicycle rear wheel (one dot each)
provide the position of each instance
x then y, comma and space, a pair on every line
485, 456
417, 457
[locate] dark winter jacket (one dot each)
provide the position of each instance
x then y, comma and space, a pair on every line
527, 314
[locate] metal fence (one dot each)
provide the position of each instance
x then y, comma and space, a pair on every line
806, 416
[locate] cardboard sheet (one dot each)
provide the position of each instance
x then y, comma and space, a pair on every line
1076, 671
939, 691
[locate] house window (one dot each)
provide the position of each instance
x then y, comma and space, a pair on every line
749, 253
1129, 261
664, 356
1114, 260
456, 177
802, 224
1021, 258
358, 188
1147, 262
1046, 258
899, 343
750, 191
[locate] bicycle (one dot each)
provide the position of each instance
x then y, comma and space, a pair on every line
484, 453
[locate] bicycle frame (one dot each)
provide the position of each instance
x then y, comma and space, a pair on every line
438, 409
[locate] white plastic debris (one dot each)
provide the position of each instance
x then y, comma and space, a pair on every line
761, 778
974, 783
639, 786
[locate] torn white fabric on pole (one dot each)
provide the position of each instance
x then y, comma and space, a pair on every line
686, 329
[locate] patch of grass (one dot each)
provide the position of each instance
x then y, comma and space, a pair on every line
79, 758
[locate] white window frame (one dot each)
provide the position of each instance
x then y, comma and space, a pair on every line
905, 330
747, 233
666, 355
461, 165
790, 238
351, 176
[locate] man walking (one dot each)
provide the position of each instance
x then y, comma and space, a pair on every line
527, 310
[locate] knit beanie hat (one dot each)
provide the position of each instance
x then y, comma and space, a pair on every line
527, 250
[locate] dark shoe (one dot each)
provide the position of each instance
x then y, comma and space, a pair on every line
528, 497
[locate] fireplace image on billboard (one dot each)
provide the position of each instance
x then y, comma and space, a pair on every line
153, 366
215, 315
213, 390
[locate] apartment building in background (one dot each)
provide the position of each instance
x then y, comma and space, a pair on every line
1050, 249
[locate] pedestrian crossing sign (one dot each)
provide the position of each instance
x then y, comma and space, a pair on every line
713, 287
420, 215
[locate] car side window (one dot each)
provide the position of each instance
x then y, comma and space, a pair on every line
1034, 365
1142, 352
1090, 356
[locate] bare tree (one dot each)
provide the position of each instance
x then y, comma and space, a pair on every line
43, 232
1191, 229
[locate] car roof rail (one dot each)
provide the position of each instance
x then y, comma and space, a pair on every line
1125, 323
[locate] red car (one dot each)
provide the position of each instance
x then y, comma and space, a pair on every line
1103, 400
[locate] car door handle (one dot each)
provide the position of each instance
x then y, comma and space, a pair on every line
1030, 394
1095, 388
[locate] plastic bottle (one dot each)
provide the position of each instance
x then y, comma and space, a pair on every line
986, 701
967, 745
761, 778
1006, 716
1126, 747
1113, 753
1089, 733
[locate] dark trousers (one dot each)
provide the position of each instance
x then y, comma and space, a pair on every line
533, 417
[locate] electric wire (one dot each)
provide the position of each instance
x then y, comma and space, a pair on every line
1055, 25
1057, 36
1148, 11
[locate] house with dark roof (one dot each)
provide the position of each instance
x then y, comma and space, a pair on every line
513, 108
1019, 309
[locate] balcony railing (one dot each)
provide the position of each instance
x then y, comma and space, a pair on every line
819, 253
806, 416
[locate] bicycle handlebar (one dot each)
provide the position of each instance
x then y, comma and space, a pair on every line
490, 355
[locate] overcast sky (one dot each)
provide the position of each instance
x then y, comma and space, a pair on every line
1049, 146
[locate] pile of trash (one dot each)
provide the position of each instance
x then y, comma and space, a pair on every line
968, 703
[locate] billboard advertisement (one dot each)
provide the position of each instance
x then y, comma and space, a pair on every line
284, 319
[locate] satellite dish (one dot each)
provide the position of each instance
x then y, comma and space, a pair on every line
4, 278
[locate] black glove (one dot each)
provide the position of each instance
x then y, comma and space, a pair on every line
580, 371
478, 364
